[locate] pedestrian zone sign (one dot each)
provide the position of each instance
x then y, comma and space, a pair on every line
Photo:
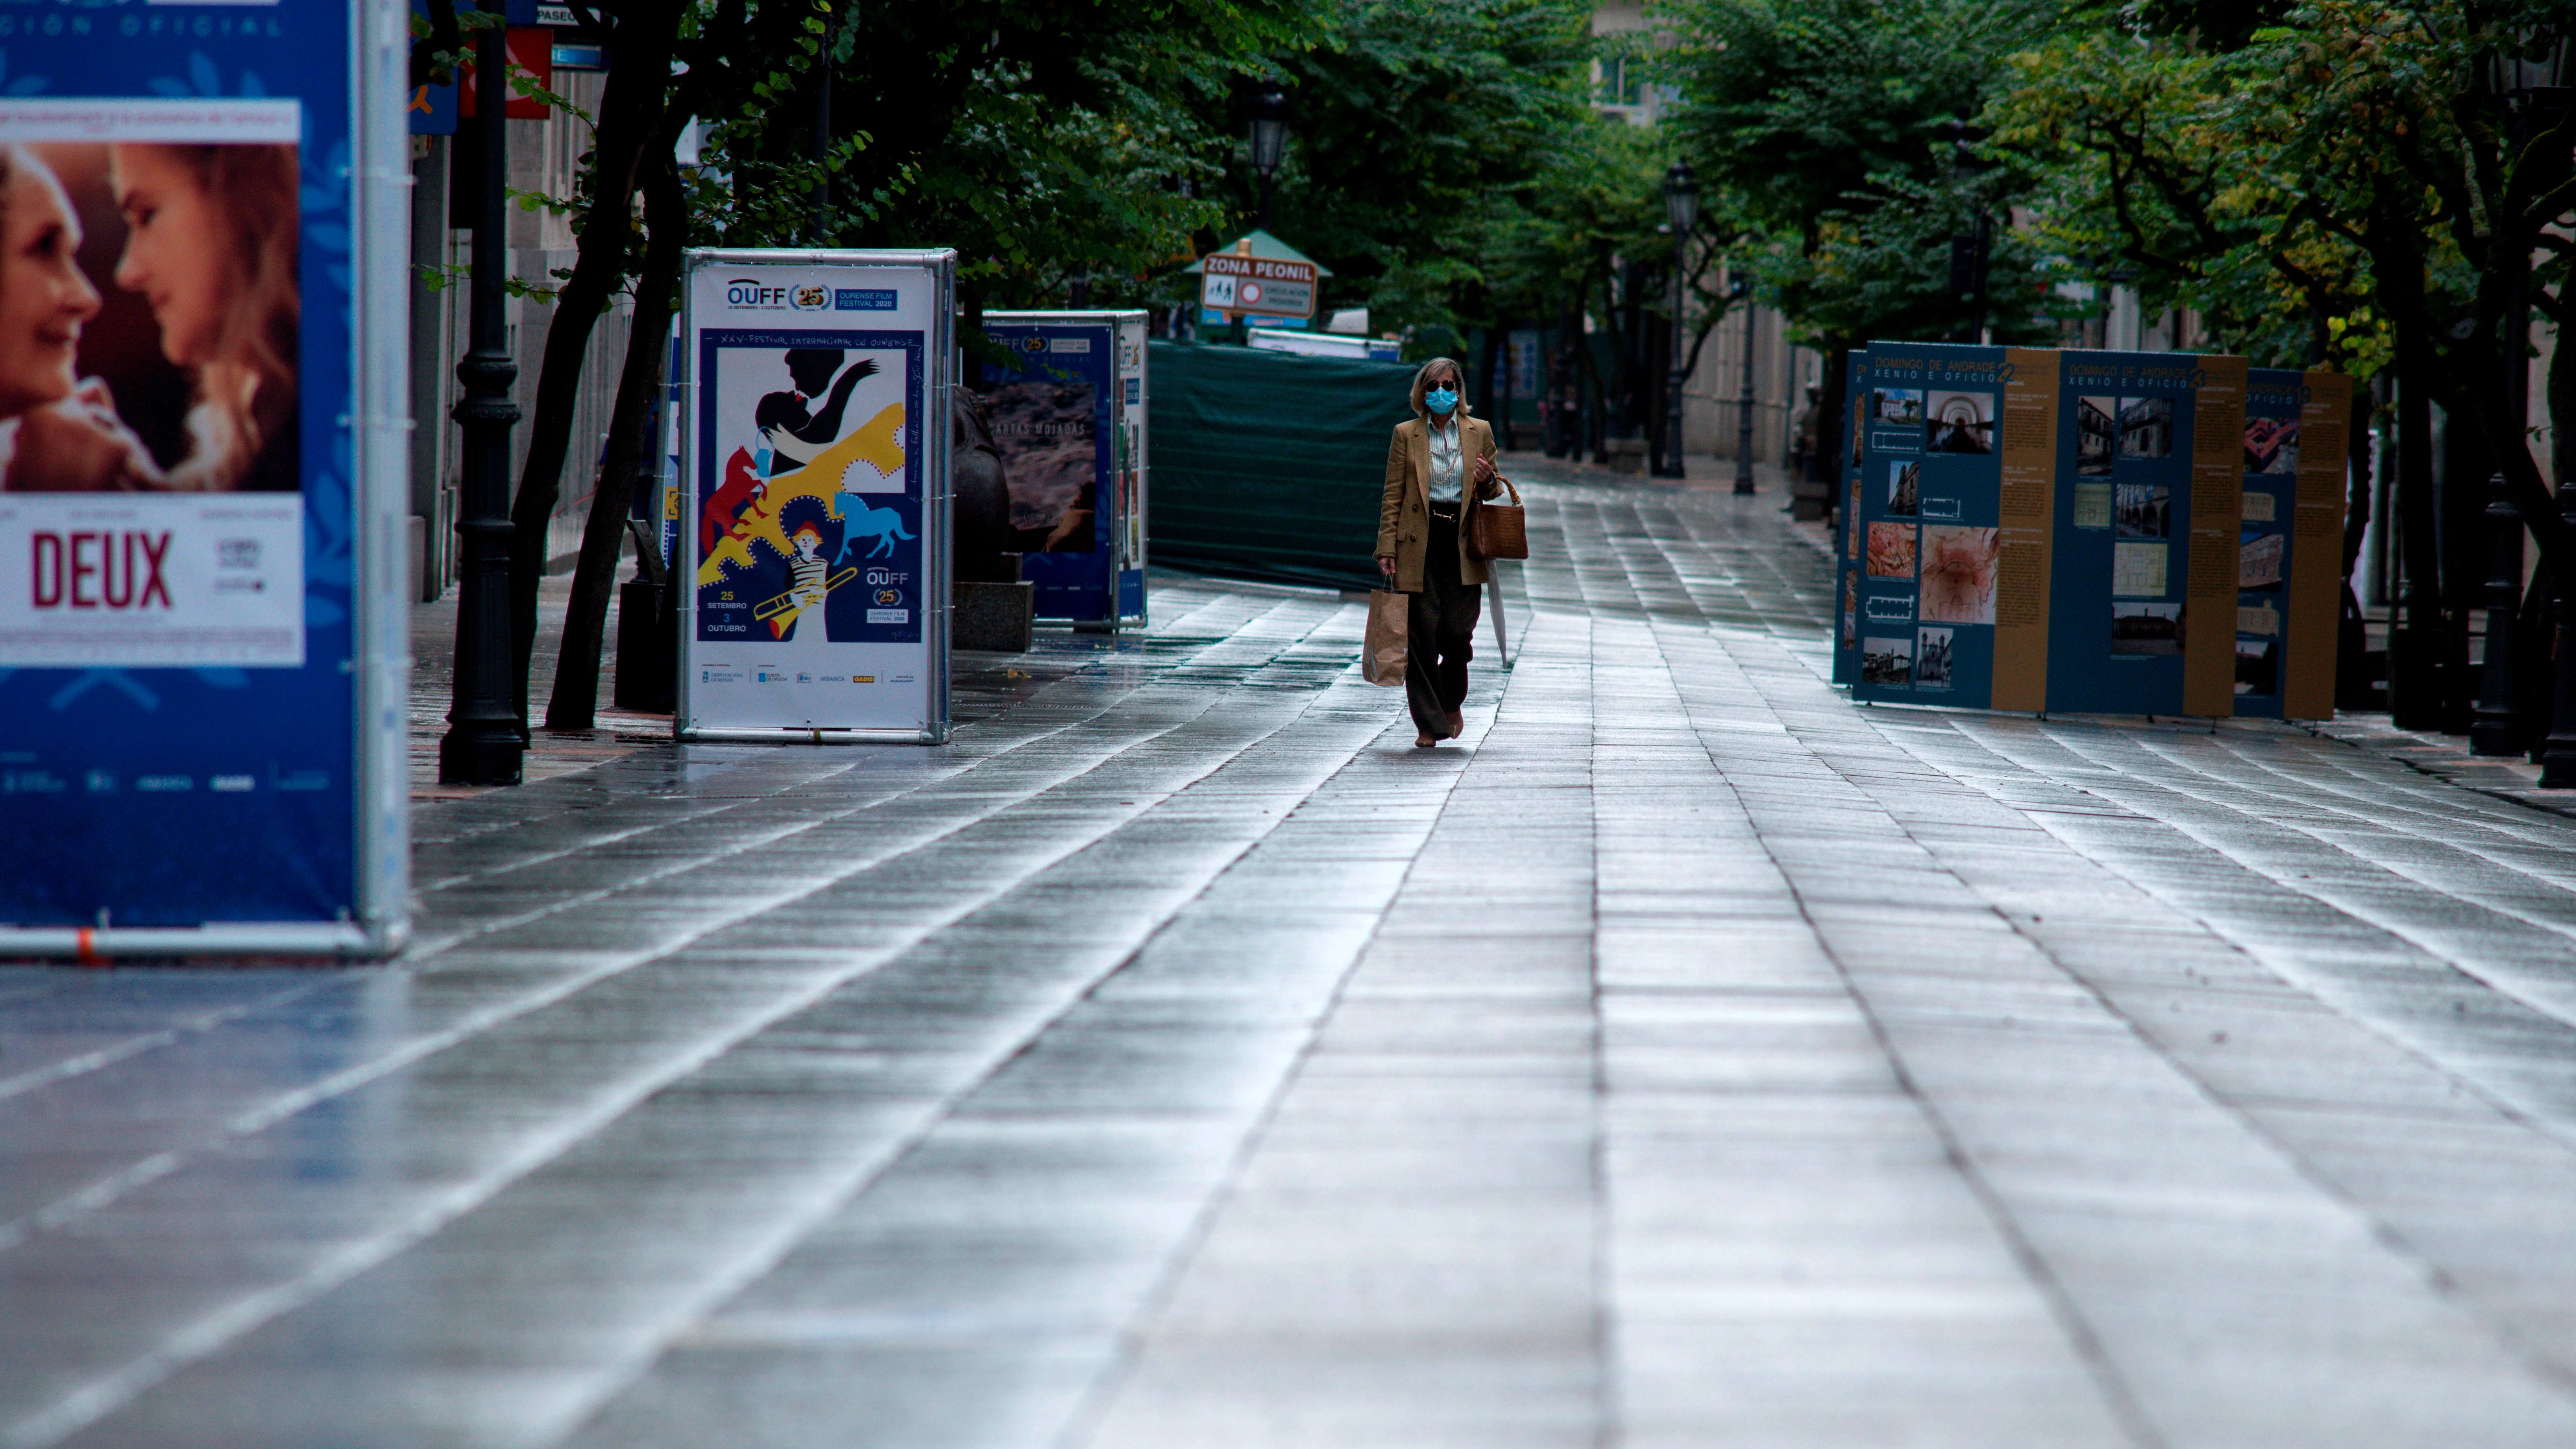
1258, 286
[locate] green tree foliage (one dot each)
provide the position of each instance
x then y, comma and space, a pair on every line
1592, 223
1823, 116
2343, 178
2162, 164
1041, 138
1419, 126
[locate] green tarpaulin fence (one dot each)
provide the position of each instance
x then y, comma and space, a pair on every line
1269, 466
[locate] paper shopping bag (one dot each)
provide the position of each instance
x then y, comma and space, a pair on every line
1382, 654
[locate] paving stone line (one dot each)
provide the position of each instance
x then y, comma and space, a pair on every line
484, 1038
919, 1313
1917, 1038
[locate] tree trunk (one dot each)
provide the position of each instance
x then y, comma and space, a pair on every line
2356, 517
630, 116
1833, 429
575, 705
1485, 377
2560, 389
2414, 648
1596, 414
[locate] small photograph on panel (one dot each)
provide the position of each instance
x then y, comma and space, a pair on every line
2092, 504
2146, 427
1959, 565
2272, 445
1932, 658
1959, 422
1891, 550
2258, 561
1904, 489
2097, 435
1887, 660
1897, 405
2142, 510
2145, 628
1851, 609
2258, 666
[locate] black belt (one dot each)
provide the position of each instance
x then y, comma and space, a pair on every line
1447, 511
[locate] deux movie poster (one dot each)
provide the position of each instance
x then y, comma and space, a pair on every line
149, 305
200, 475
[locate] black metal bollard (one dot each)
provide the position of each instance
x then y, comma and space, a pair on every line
2497, 728
2558, 753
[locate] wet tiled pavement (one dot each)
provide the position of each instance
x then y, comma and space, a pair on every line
1689, 1058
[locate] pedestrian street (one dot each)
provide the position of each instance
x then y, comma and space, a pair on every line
1687, 1056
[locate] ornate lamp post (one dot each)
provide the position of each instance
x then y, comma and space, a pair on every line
482, 744
1681, 208
1269, 139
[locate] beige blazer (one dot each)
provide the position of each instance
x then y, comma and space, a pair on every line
1404, 515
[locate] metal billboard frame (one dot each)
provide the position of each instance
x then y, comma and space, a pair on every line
1125, 552
940, 367
380, 423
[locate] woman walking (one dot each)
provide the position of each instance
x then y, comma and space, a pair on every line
1437, 468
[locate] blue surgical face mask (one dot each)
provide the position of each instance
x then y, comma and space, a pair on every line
1441, 400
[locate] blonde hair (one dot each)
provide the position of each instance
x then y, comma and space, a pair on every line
246, 388
1422, 384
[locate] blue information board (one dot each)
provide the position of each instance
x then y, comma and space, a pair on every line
1929, 484
202, 477
2266, 545
2123, 513
2040, 530
1068, 417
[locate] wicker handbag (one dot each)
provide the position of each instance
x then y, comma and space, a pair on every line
1496, 529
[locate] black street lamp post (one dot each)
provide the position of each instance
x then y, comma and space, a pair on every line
1969, 250
1681, 209
1269, 140
1741, 289
482, 745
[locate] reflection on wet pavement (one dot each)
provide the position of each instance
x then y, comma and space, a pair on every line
1686, 1056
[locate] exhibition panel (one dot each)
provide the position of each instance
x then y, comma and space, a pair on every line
203, 482
815, 416
2089, 532
1067, 416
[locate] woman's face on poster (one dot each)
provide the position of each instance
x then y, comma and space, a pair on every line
44, 299
171, 251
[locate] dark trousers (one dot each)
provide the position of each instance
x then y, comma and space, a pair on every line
1440, 632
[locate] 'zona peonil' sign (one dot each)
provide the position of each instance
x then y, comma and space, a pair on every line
1257, 286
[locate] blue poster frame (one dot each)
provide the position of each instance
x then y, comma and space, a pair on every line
115, 776
1911, 486
1102, 587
